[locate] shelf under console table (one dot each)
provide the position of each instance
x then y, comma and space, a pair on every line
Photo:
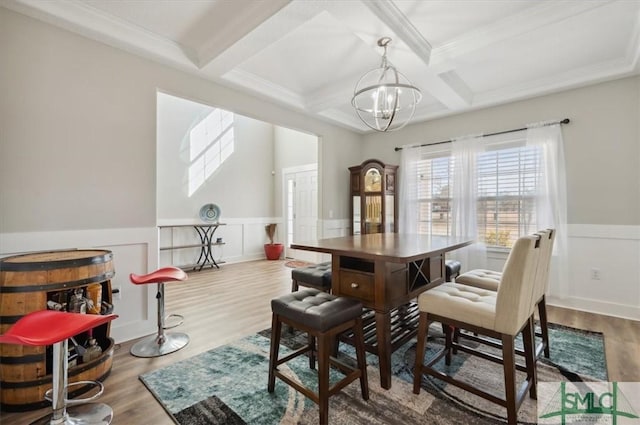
205, 233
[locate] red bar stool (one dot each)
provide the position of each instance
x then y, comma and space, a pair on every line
161, 343
49, 327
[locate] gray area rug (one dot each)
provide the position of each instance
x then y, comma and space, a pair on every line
228, 385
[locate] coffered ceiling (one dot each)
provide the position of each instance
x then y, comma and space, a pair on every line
309, 54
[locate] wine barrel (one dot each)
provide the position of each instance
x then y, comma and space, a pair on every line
27, 281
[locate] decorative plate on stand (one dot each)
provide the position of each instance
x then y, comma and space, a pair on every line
210, 213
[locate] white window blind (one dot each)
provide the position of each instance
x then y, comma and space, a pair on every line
506, 193
434, 199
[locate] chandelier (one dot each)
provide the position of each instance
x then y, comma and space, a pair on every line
384, 98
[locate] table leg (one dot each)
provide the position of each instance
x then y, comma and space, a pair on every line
208, 258
383, 333
202, 258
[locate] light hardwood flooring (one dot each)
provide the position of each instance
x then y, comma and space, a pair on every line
226, 304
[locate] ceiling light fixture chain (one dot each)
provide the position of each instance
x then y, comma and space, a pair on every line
384, 99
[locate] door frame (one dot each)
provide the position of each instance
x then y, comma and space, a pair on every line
293, 170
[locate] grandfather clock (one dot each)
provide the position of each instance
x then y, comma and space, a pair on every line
373, 198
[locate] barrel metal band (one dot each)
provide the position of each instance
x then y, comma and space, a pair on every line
56, 286
7, 407
29, 358
47, 380
9, 320
31, 266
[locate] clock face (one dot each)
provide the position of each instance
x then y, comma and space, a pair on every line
372, 181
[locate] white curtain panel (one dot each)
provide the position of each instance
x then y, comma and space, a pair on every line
464, 201
551, 199
408, 211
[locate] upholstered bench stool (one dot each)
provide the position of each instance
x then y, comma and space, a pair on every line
451, 269
323, 317
317, 276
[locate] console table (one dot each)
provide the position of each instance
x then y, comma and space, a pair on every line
205, 232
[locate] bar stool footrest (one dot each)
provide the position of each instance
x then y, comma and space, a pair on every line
76, 401
180, 317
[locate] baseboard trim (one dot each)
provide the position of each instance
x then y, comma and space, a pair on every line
599, 307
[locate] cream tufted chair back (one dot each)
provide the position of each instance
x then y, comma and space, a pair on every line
516, 298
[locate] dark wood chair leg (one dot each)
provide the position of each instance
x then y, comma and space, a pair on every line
448, 338
276, 327
508, 356
423, 327
361, 357
542, 312
528, 340
324, 351
312, 351
294, 285
456, 339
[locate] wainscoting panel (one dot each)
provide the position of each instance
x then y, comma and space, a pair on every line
604, 270
135, 250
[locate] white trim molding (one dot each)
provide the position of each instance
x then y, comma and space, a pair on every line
135, 250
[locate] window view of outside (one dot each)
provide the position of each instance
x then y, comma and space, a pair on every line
434, 178
506, 195
210, 144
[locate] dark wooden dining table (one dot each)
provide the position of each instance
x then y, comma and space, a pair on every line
386, 271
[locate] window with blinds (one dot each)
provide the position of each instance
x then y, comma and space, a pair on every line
434, 199
506, 194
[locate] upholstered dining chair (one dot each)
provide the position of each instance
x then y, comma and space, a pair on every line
490, 280
501, 314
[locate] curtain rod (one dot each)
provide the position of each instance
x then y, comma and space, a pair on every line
564, 121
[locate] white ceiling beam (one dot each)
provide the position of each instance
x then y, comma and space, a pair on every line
290, 17
414, 56
393, 18
248, 17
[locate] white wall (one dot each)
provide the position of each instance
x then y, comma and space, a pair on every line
78, 148
291, 149
602, 149
247, 186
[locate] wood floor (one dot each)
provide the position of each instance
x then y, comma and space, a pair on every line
226, 304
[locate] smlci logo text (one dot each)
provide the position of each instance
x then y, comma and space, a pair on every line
615, 403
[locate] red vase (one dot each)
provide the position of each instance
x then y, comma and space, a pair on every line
273, 251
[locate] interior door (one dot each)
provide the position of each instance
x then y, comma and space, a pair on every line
301, 188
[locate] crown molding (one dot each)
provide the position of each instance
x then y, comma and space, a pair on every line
633, 49
250, 81
544, 13
92, 23
587, 75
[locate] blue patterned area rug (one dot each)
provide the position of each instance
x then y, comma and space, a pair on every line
228, 385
